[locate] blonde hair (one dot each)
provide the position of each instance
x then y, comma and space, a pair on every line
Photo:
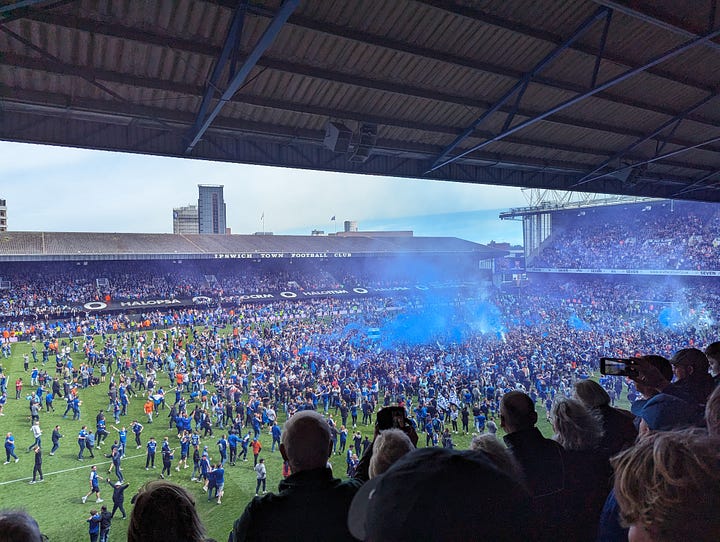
669, 483
389, 446
498, 454
576, 426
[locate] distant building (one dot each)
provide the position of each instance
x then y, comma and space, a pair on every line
351, 229
3, 215
185, 220
211, 209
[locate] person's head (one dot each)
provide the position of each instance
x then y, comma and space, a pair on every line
389, 446
690, 364
713, 355
165, 511
305, 441
496, 452
712, 413
18, 526
591, 394
517, 412
261, 460
418, 498
576, 427
664, 368
664, 412
668, 487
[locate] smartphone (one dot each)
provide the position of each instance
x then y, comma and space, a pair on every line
391, 417
618, 366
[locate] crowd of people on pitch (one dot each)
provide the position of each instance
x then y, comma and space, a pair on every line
683, 238
649, 474
294, 357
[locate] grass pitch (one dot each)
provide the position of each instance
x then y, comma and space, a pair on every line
56, 503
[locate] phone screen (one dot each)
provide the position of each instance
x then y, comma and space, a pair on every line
615, 368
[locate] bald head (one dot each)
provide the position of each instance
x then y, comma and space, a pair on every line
517, 412
306, 441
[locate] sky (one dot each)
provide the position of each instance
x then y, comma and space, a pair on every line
51, 188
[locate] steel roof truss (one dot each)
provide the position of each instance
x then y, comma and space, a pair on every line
675, 122
697, 185
675, 51
518, 89
228, 57
234, 85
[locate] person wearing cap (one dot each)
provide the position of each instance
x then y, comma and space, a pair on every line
662, 412
310, 499
442, 495
692, 383
118, 497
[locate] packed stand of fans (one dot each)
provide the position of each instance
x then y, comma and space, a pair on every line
660, 235
60, 288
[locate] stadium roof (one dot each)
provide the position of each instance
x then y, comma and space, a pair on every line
548, 94
22, 246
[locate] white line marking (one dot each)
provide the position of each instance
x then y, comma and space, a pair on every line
81, 467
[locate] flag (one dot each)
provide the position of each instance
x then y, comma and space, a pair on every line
333, 217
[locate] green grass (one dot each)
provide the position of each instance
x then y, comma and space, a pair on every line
56, 502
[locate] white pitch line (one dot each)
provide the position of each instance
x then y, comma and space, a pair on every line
81, 467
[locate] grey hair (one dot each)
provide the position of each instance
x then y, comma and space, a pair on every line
576, 427
496, 452
389, 446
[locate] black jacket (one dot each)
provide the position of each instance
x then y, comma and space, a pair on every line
543, 463
118, 492
312, 501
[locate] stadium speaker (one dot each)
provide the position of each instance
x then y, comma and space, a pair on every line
366, 139
337, 137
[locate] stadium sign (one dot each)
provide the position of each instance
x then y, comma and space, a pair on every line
261, 297
273, 255
652, 272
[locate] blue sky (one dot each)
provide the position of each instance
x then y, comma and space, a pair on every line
64, 189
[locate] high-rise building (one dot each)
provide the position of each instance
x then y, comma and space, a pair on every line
211, 209
3, 215
185, 219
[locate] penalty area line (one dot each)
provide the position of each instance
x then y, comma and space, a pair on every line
81, 467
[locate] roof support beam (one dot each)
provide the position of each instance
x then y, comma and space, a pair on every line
649, 13
23, 8
230, 48
106, 76
518, 89
700, 184
610, 83
651, 160
550, 37
624, 152
262, 45
183, 44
